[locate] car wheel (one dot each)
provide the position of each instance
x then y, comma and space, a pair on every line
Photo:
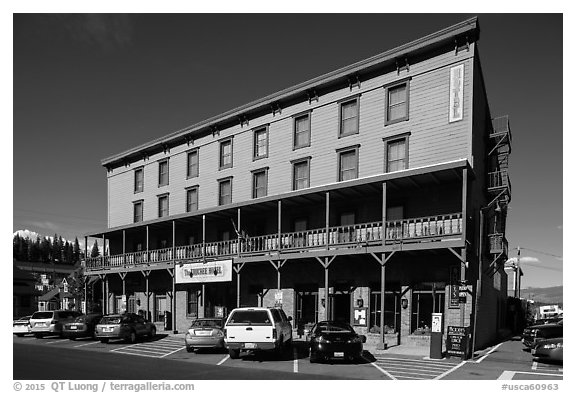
38, 335
234, 353
313, 357
152, 332
132, 337
104, 340
189, 349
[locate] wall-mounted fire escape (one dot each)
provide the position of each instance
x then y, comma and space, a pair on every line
498, 188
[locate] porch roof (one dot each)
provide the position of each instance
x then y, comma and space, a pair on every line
438, 173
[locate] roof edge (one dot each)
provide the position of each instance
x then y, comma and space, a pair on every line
470, 24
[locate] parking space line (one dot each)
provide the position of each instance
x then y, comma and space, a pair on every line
90, 343
400, 370
170, 353
379, 368
223, 360
295, 360
510, 374
57, 341
451, 370
157, 351
429, 367
138, 354
118, 349
489, 352
534, 365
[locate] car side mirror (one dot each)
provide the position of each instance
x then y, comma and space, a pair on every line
363, 338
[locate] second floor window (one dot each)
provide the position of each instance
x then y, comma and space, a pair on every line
261, 143
396, 155
192, 199
349, 119
259, 183
224, 191
226, 154
301, 174
163, 206
138, 180
348, 164
302, 131
192, 164
138, 211
163, 173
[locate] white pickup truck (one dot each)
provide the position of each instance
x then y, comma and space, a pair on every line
257, 328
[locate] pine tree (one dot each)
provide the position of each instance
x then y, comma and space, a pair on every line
34, 250
16, 247
95, 252
76, 251
69, 254
45, 250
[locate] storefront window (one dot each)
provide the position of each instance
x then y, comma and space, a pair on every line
427, 298
391, 311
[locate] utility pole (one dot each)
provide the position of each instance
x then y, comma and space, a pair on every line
517, 275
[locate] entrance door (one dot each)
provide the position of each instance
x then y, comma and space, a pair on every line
340, 307
306, 308
160, 307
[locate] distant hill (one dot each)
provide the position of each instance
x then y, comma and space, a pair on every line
550, 295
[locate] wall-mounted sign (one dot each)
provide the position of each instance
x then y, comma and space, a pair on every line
360, 316
454, 287
198, 272
456, 93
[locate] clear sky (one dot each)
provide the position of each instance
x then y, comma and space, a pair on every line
90, 86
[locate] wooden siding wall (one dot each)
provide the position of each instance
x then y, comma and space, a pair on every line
432, 140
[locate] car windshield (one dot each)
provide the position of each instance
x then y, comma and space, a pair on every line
207, 323
250, 317
334, 327
42, 315
113, 319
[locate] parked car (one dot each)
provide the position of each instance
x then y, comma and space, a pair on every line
545, 321
21, 326
46, 323
335, 340
127, 326
205, 333
257, 328
82, 326
533, 334
551, 350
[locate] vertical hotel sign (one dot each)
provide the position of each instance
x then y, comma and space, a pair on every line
456, 93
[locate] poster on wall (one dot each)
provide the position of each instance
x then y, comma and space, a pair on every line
456, 93
198, 272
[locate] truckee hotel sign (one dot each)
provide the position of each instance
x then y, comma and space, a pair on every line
456, 93
198, 272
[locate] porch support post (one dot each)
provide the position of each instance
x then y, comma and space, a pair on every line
173, 242
326, 263
237, 269
383, 294
172, 273
85, 311
85, 248
279, 245
204, 237
103, 248
147, 245
384, 208
124, 246
123, 277
239, 234
146, 273
103, 278
464, 219
106, 293
327, 215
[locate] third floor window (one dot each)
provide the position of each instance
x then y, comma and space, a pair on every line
396, 154
138, 180
397, 103
349, 118
260, 143
260, 183
302, 131
163, 206
163, 173
192, 164
348, 164
224, 191
191, 199
301, 174
226, 154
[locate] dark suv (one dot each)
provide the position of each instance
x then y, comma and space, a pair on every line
536, 333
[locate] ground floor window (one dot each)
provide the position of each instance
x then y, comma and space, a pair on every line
192, 303
131, 306
160, 308
424, 303
391, 311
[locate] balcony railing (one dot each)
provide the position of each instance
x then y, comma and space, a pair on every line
500, 126
498, 180
347, 236
498, 243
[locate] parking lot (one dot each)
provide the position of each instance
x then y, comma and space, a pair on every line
388, 366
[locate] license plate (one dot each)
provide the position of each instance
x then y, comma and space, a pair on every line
73, 327
107, 329
338, 354
250, 345
202, 332
41, 324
